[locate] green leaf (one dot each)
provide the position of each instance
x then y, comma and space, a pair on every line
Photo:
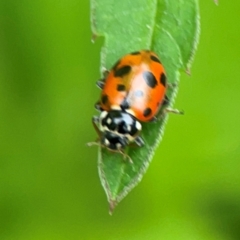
171, 29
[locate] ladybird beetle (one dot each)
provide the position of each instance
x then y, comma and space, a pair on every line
133, 91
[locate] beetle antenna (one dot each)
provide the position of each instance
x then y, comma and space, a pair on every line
126, 156
90, 144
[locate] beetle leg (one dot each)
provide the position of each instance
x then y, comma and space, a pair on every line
98, 106
171, 110
105, 72
101, 82
165, 100
139, 141
154, 119
172, 85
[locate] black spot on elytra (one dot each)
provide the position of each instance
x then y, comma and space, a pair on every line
155, 59
163, 79
121, 87
149, 79
104, 99
135, 53
115, 65
120, 72
147, 112
138, 93
124, 104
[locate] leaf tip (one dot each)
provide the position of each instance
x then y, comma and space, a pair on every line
112, 205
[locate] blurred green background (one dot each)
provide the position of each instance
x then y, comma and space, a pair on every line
49, 185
